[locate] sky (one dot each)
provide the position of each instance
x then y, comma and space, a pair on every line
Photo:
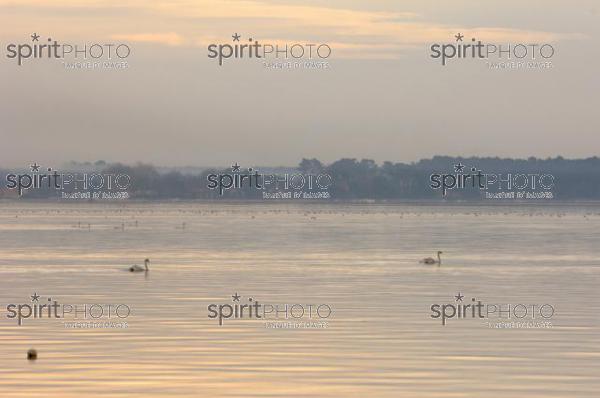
382, 96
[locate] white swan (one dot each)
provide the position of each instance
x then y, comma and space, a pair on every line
139, 268
430, 260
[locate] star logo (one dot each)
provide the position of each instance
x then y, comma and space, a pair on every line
235, 167
35, 37
459, 297
459, 37
236, 297
459, 167
35, 297
236, 37
35, 167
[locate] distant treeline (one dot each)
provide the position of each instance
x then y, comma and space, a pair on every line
575, 179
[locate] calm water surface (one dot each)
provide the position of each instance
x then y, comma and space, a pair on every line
362, 260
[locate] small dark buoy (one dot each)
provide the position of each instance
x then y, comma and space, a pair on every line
32, 354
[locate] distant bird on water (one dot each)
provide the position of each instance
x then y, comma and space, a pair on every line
139, 268
430, 260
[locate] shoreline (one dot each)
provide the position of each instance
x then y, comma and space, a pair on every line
332, 202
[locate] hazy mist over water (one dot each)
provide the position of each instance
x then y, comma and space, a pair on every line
360, 259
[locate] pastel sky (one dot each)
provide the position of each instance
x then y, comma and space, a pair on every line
383, 97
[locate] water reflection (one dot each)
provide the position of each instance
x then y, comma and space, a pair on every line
362, 260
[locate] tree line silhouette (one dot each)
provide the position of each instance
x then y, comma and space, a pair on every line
353, 179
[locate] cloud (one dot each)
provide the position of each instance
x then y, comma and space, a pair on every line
356, 33
170, 39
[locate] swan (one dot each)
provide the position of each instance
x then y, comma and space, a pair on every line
429, 260
139, 268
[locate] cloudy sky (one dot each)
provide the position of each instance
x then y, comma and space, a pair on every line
382, 96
